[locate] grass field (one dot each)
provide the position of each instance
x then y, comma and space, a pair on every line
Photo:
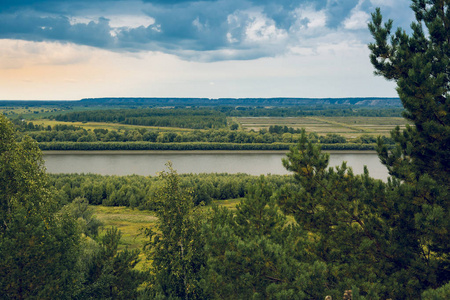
131, 222
28, 112
230, 204
38, 112
350, 127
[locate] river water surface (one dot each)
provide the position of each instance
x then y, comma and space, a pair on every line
149, 163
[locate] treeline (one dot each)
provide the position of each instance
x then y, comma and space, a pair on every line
207, 102
83, 146
69, 137
214, 117
136, 191
316, 110
196, 118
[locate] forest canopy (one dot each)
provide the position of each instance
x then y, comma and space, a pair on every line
316, 233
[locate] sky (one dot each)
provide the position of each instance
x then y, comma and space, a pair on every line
69, 50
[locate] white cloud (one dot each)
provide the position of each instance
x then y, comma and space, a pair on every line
309, 19
302, 51
231, 39
301, 57
82, 20
262, 29
357, 20
252, 28
130, 21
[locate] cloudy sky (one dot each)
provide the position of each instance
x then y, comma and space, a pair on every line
53, 49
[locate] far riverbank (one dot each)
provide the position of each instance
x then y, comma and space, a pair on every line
200, 146
140, 152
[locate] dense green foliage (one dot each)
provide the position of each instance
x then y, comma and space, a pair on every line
419, 63
420, 66
321, 232
69, 137
47, 250
214, 117
275, 134
139, 191
190, 146
38, 245
108, 273
442, 292
358, 230
316, 110
256, 253
175, 246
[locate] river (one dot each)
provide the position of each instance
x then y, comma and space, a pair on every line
150, 163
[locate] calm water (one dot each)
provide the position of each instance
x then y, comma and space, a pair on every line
151, 163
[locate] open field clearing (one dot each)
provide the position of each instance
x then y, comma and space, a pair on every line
230, 204
36, 112
25, 112
129, 221
350, 127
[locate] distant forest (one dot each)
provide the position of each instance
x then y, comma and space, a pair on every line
198, 118
183, 118
264, 102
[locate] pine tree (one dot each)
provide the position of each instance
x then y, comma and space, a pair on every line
419, 63
388, 240
340, 212
109, 273
255, 253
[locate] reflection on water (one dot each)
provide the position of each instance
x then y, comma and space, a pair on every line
150, 164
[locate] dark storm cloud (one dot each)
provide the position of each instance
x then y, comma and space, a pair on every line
246, 28
197, 26
36, 28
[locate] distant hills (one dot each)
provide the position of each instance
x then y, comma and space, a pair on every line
263, 102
